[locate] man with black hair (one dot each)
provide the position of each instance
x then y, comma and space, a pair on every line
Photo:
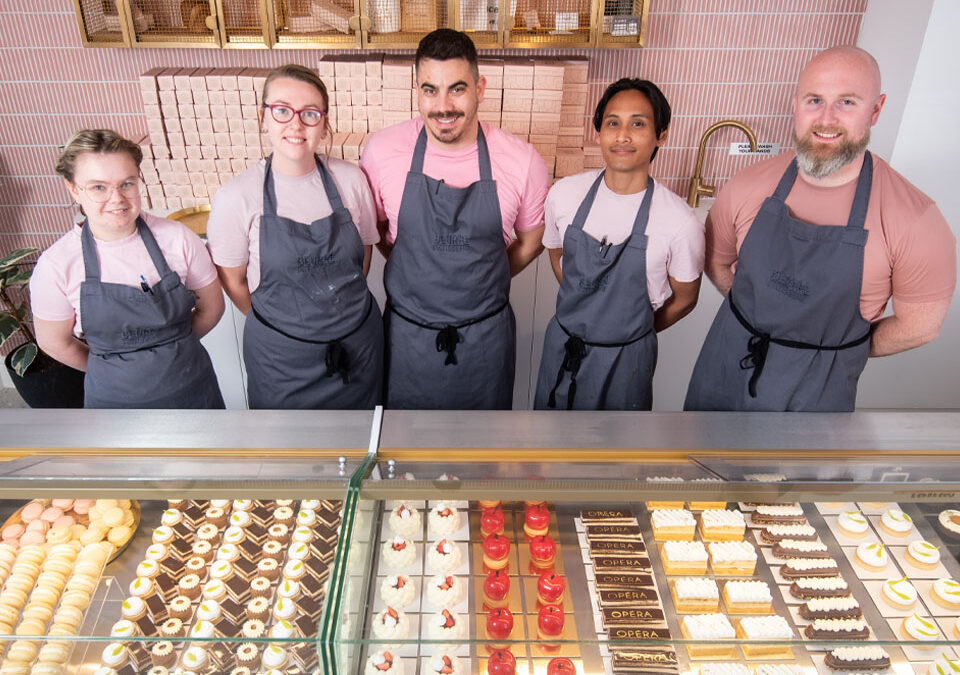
451, 193
631, 253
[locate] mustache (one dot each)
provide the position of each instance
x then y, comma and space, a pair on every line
445, 114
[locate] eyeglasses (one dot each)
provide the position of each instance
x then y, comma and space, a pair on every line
101, 192
309, 117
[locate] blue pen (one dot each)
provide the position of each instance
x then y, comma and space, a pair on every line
144, 286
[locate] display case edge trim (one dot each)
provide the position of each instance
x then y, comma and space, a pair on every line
7, 454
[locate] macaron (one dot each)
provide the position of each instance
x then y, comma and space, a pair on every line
31, 511
13, 531
50, 514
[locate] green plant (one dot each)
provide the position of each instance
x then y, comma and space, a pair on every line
15, 316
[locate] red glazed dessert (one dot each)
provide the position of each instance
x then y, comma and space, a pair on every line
496, 551
501, 662
550, 622
496, 590
550, 589
561, 665
536, 520
543, 552
491, 521
499, 624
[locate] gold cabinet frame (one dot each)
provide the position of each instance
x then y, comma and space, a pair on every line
107, 38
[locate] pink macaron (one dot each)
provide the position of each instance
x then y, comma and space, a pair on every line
12, 531
64, 521
63, 504
82, 506
32, 537
40, 526
31, 511
51, 514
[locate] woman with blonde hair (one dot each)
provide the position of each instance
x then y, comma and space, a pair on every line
126, 296
292, 238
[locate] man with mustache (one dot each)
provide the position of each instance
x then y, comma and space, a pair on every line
451, 193
809, 248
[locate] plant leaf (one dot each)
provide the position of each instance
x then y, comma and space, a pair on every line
14, 257
22, 357
8, 326
19, 279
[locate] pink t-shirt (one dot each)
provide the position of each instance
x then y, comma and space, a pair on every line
910, 252
233, 229
55, 284
674, 234
521, 176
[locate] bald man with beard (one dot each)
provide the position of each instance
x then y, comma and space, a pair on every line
808, 249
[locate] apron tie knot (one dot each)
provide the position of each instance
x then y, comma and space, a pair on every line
338, 363
447, 339
574, 351
756, 357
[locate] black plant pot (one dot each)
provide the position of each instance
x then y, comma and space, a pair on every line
48, 384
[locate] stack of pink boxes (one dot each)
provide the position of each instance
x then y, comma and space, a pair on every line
204, 129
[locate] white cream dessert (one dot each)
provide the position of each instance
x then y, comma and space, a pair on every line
445, 664
896, 522
793, 510
807, 564
724, 669
384, 662
670, 518
398, 553
873, 556
923, 554
722, 518
778, 669
732, 551
405, 520
749, 591
765, 477
765, 627
274, 657
946, 592
855, 656
114, 655
803, 545
708, 627
899, 593
194, 659
685, 551
696, 588
391, 624
778, 531
444, 590
821, 584
920, 628
123, 628
446, 625
398, 591
826, 605
944, 665
443, 556
853, 523
443, 520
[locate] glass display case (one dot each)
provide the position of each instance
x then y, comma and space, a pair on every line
698, 543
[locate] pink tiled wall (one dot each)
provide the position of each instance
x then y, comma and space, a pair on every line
713, 59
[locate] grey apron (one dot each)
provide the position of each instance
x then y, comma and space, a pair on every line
789, 335
313, 338
451, 334
143, 351
600, 349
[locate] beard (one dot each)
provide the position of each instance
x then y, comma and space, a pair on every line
448, 135
819, 162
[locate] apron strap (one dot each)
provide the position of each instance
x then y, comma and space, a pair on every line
639, 221
91, 261
269, 191
448, 337
759, 344
786, 181
861, 198
483, 154
329, 186
584, 209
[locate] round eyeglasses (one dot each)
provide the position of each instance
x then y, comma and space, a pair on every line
101, 192
309, 117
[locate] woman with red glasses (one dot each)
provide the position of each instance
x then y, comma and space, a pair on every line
126, 296
291, 238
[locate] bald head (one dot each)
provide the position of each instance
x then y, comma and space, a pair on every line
846, 62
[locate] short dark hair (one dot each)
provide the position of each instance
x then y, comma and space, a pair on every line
659, 103
445, 44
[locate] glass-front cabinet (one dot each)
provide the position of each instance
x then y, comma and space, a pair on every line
431, 542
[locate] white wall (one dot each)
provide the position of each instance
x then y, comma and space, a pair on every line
925, 150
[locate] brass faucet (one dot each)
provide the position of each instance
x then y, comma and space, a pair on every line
697, 187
